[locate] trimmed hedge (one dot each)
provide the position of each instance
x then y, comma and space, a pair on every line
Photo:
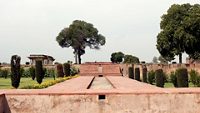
160, 80
137, 74
15, 70
182, 77
130, 72
144, 75
59, 69
39, 71
66, 69
48, 83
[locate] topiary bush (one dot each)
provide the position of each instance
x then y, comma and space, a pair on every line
39, 72
144, 74
182, 77
66, 69
15, 70
60, 72
173, 78
32, 72
151, 77
137, 74
159, 76
130, 72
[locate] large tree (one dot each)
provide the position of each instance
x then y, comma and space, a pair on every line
117, 57
79, 35
129, 59
180, 32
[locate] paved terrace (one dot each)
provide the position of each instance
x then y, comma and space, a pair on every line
109, 94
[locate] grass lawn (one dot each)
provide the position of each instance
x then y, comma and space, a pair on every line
170, 85
6, 83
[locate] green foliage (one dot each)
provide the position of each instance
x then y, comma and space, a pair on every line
182, 77
173, 79
144, 74
79, 35
131, 72
195, 78
60, 72
48, 83
4, 73
32, 72
129, 59
15, 70
73, 71
137, 74
151, 77
50, 73
117, 57
66, 69
180, 32
39, 71
159, 77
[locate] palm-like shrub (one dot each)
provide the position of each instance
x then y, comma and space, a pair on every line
32, 72
151, 77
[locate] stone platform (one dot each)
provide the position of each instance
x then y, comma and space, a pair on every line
125, 96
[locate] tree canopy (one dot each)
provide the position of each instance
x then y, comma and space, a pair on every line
117, 57
180, 32
80, 35
129, 59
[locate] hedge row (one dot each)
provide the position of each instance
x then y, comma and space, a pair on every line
48, 83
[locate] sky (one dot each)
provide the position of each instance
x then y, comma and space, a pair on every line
130, 26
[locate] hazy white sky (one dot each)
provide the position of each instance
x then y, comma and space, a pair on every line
31, 26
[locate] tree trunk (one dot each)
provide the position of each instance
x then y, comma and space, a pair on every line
79, 57
76, 56
180, 58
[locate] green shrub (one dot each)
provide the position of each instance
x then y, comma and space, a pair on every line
74, 71
144, 74
50, 73
22, 72
60, 72
193, 76
173, 79
137, 74
39, 72
66, 69
32, 72
4, 73
26, 73
159, 76
130, 72
182, 77
15, 70
151, 77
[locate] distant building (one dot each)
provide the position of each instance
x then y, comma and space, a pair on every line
46, 60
